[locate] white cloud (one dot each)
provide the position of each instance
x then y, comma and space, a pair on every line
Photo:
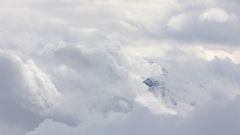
26, 94
77, 62
215, 14
176, 23
215, 118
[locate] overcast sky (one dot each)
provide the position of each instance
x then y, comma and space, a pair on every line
77, 67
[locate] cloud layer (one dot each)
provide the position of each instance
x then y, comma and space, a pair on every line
215, 118
78, 66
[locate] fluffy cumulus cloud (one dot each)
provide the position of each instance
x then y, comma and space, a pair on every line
96, 67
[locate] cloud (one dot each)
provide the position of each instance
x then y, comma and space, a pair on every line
210, 25
72, 62
216, 14
26, 94
215, 118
